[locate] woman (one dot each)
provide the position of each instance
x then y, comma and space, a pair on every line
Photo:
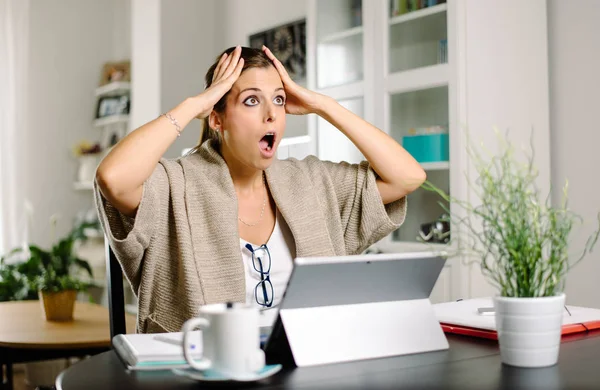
178, 226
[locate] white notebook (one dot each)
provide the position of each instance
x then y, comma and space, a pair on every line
465, 313
158, 351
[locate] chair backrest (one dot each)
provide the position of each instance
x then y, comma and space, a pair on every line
116, 298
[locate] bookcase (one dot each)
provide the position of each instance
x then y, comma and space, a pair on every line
426, 72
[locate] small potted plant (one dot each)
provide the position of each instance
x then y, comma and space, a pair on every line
521, 242
51, 275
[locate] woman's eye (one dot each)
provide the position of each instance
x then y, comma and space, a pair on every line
279, 100
251, 101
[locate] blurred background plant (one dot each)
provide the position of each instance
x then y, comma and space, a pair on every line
84, 148
28, 269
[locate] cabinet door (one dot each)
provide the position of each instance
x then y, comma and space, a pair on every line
339, 42
417, 109
339, 36
419, 121
417, 34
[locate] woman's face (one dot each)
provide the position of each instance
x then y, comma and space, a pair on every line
254, 119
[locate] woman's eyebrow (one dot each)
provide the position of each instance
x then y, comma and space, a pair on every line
257, 90
250, 89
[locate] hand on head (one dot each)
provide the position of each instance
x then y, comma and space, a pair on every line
299, 101
226, 73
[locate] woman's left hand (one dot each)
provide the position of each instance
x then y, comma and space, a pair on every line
299, 100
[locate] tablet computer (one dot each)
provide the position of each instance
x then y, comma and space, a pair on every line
352, 282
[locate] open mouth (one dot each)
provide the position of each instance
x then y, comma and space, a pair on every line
267, 142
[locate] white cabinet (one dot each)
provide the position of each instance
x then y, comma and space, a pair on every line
439, 70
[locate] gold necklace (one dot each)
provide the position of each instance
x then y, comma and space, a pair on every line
262, 211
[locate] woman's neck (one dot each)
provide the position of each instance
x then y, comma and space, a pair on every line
246, 180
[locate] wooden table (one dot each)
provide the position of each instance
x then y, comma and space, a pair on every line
26, 336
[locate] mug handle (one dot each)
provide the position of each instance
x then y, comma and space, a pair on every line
190, 325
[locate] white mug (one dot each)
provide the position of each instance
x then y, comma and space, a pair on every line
230, 339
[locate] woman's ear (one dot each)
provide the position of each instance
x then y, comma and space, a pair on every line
214, 120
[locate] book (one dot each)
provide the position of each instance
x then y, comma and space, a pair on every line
463, 317
158, 351
163, 351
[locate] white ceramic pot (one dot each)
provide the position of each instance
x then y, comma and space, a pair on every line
529, 329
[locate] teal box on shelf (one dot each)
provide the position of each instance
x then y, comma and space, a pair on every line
427, 147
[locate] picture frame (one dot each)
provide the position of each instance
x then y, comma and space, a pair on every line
115, 71
288, 43
112, 105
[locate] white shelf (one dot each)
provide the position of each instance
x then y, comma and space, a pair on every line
114, 88
345, 91
111, 120
83, 185
422, 13
418, 79
436, 166
338, 36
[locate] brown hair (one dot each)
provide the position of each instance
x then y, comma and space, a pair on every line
253, 58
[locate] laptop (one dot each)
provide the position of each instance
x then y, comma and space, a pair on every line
347, 308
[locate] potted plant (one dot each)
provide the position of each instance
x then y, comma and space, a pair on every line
50, 275
521, 242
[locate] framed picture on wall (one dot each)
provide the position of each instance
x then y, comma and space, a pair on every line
288, 44
112, 105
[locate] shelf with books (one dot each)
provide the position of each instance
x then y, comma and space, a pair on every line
418, 14
418, 39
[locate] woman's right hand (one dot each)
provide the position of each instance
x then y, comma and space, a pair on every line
226, 73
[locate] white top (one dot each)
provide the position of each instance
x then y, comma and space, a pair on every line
282, 248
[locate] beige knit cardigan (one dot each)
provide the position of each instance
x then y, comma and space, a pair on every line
182, 249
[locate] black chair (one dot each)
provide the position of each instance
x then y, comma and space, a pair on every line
116, 298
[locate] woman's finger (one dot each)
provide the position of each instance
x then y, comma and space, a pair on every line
218, 67
278, 65
236, 54
230, 63
237, 71
224, 66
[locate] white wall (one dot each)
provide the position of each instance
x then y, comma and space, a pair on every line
574, 53
121, 30
505, 86
241, 18
145, 62
69, 42
188, 49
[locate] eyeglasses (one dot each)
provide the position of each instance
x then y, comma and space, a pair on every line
261, 261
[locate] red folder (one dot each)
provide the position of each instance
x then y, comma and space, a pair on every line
462, 318
492, 335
